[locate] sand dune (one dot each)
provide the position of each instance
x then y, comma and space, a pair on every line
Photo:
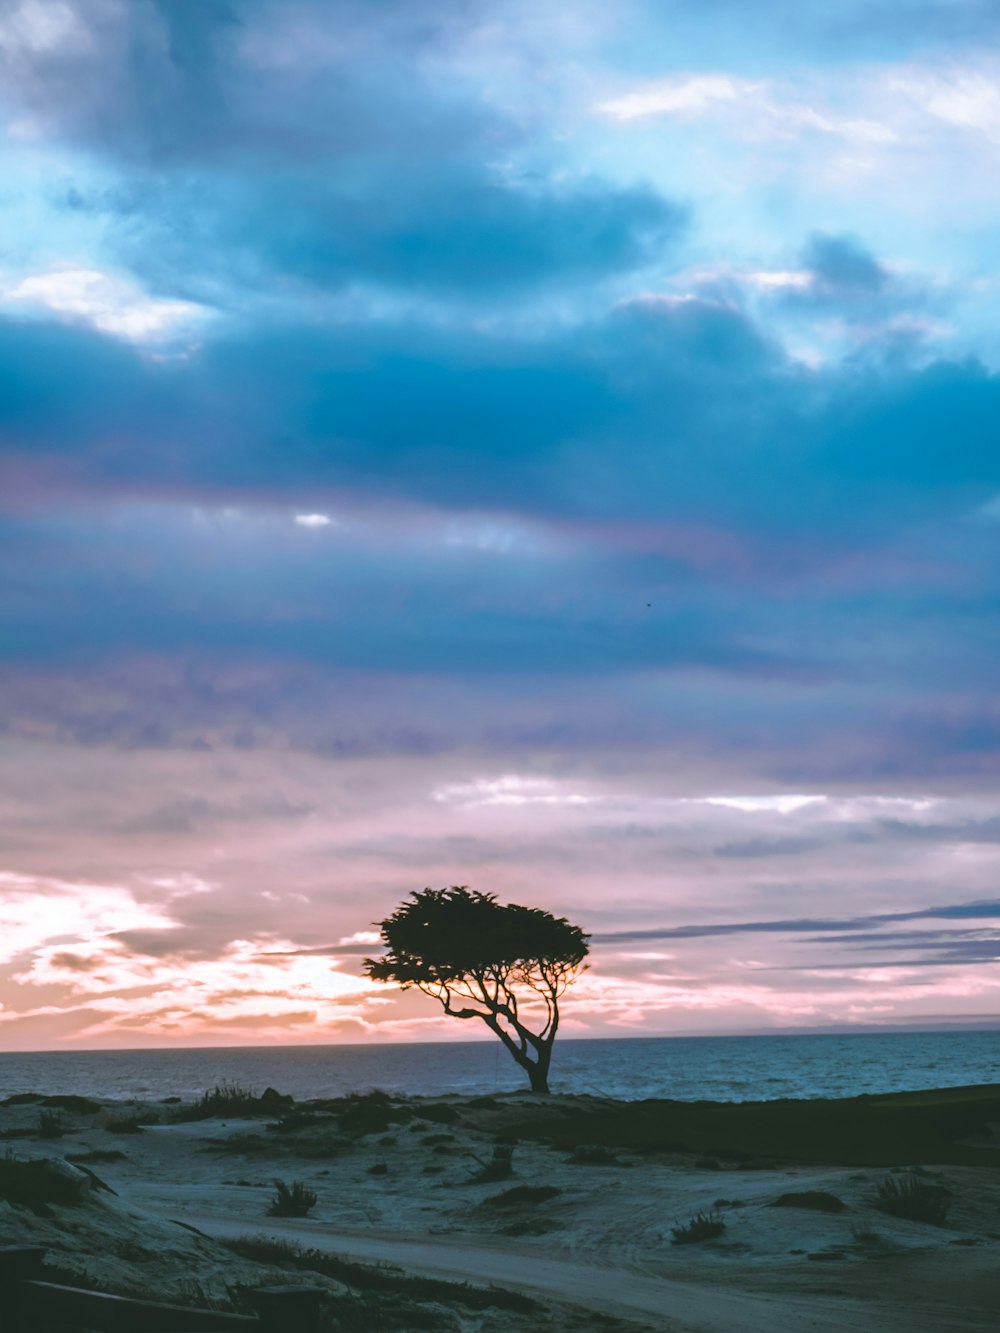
396, 1182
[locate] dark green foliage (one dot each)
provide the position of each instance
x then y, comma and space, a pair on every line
51, 1125
379, 1169
96, 1155
910, 1197
294, 1200
477, 957
366, 1113
816, 1200
702, 1226
438, 1113
499, 1167
380, 1278
889, 1130
225, 1101
520, 1195
440, 935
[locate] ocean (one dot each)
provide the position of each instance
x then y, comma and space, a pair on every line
753, 1068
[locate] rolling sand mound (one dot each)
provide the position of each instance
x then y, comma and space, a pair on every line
583, 1215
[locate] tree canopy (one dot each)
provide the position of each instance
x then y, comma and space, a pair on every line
504, 964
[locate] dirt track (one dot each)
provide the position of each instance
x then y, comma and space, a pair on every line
666, 1303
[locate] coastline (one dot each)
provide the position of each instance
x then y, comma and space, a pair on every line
582, 1222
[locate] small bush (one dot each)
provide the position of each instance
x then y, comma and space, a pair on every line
366, 1113
294, 1200
499, 1167
522, 1194
702, 1226
379, 1169
96, 1155
51, 1125
225, 1099
816, 1200
910, 1197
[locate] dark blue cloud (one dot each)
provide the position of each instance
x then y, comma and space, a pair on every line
841, 267
659, 413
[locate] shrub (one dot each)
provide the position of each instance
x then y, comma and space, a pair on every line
702, 1226
499, 1167
817, 1200
366, 1113
910, 1197
295, 1200
51, 1125
225, 1099
96, 1155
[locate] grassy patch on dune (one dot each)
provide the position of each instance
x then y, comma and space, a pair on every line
891, 1130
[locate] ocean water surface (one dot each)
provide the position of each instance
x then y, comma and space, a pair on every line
755, 1068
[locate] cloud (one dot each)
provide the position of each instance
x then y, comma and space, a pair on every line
840, 266
683, 96
410, 475
110, 305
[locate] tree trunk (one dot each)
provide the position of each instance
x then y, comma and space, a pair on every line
539, 1077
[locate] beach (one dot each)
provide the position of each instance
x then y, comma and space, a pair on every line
586, 1209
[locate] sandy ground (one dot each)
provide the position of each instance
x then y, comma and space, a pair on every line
406, 1194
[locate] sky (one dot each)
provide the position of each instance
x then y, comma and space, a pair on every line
548, 446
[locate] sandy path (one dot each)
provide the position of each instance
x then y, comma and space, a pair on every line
675, 1306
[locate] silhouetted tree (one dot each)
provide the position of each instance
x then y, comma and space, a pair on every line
483, 960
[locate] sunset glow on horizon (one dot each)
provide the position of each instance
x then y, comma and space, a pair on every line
551, 448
